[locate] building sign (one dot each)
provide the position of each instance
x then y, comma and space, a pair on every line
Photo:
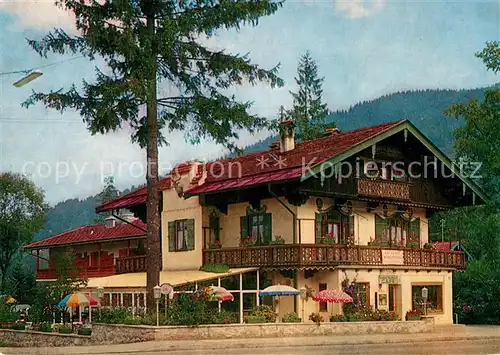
389, 279
392, 257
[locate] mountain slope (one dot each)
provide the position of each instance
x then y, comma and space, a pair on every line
424, 108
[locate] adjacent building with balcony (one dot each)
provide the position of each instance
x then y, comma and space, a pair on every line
350, 206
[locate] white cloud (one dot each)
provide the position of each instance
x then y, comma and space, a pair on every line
359, 8
39, 14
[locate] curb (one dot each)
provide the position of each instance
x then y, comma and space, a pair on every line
98, 349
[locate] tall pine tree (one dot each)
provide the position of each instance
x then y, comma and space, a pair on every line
109, 193
309, 111
141, 42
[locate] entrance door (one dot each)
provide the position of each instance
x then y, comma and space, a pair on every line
393, 298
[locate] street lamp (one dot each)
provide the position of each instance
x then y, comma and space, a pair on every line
29, 77
156, 296
425, 294
100, 295
303, 296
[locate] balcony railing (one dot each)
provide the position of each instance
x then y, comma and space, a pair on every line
303, 255
131, 264
51, 273
384, 188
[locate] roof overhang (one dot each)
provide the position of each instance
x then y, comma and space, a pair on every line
99, 241
400, 127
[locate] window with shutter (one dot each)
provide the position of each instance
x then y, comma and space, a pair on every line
415, 231
214, 228
244, 227
318, 220
268, 228
189, 235
381, 232
171, 236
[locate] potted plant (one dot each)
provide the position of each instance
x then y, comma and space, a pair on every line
413, 315
65, 329
428, 246
413, 245
328, 239
215, 245
248, 241
316, 318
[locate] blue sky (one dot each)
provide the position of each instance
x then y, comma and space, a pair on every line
364, 50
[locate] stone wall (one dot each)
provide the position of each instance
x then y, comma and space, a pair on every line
28, 338
117, 334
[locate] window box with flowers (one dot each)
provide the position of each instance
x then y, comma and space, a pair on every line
413, 315
378, 242
215, 245
428, 246
248, 242
278, 240
328, 239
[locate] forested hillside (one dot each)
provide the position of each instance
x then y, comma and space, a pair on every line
424, 108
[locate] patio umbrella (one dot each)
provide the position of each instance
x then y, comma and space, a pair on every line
332, 296
219, 294
279, 290
79, 299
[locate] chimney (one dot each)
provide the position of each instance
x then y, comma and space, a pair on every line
129, 217
331, 132
287, 133
110, 222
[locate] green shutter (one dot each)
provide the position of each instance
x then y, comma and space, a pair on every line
318, 220
415, 230
268, 228
171, 236
380, 228
350, 237
190, 234
243, 227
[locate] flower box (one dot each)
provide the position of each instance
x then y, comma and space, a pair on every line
413, 317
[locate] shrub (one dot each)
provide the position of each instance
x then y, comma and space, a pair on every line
215, 268
19, 326
46, 327
255, 319
6, 314
338, 318
65, 329
130, 320
113, 315
413, 315
381, 315
291, 318
85, 331
316, 318
225, 317
266, 312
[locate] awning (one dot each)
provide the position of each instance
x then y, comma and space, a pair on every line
175, 278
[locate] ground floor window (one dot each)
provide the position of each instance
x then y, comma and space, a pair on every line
434, 301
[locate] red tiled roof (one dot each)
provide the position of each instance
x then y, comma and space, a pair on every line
445, 245
89, 234
136, 197
249, 169
260, 167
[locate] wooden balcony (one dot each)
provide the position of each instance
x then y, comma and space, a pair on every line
384, 188
51, 273
131, 264
310, 255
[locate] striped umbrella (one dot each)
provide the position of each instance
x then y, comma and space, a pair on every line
79, 299
279, 290
219, 294
332, 296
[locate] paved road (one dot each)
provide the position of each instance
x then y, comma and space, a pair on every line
462, 347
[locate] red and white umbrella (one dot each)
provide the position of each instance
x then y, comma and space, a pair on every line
219, 294
332, 296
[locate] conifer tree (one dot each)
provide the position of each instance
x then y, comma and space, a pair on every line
109, 193
309, 111
145, 41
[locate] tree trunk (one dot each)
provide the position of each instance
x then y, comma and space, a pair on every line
153, 248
